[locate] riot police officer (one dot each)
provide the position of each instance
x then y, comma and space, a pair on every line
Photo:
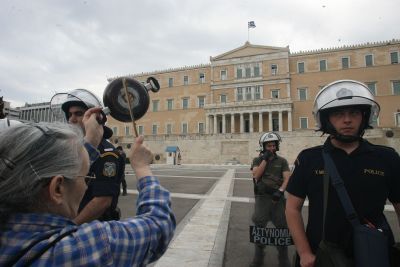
343, 109
271, 174
101, 197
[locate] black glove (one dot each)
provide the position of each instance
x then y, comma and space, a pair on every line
277, 195
267, 155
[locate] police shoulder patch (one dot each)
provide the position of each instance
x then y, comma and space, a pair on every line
109, 169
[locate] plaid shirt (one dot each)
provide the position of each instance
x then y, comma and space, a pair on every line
131, 242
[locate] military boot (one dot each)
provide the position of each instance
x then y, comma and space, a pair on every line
258, 259
283, 257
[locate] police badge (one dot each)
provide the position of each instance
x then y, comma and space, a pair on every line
110, 169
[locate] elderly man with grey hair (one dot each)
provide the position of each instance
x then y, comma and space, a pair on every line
43, 178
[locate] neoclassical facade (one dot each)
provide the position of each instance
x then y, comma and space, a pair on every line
256, 88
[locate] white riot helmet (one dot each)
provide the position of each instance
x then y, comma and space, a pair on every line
79, 97
344, 93
5, 123
269, 137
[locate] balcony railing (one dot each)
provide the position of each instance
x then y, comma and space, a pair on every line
249, 103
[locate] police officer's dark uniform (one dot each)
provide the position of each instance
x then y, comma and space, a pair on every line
371, 175
122, 163
108, 179
370, 172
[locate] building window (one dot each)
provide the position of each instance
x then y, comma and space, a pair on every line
201, 127
223, 75
322, 65
170, 104
248, 72
257, 92
369, 61
302, 94
396, 87
115, 130
345, 62
274, 69
248, 93
155, 105
372, 87
397, 118
201, 101
185, 103
169, 128
394, 57
239, 94
303, 123
275, 93
127, 132
185, 80
170, 82
239, 73
256, 71
202, 78
184, 128
154, 129
223, 98
300, 67
140, 129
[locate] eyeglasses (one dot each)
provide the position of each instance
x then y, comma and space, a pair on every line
88, 179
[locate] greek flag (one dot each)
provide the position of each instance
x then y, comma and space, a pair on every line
251, 24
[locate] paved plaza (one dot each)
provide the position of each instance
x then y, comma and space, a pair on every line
213, 205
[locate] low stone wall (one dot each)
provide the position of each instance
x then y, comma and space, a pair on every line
242, 148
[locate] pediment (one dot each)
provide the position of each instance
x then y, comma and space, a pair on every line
249, 50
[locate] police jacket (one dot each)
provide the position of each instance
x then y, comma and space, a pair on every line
108, 176
371, 176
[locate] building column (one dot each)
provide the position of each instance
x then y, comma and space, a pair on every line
251, 122
280, 121
289, 118
260, 122
206, 130
270, 121
232, 123
241, 123
223, 124
215, 130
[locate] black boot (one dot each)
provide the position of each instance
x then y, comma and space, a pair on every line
258, 259
283, 257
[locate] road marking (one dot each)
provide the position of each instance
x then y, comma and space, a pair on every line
388, 207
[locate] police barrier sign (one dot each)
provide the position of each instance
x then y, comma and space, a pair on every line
270, 236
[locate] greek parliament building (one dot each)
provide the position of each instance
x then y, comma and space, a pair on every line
217, 111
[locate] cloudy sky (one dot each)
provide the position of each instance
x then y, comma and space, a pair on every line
49, 46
